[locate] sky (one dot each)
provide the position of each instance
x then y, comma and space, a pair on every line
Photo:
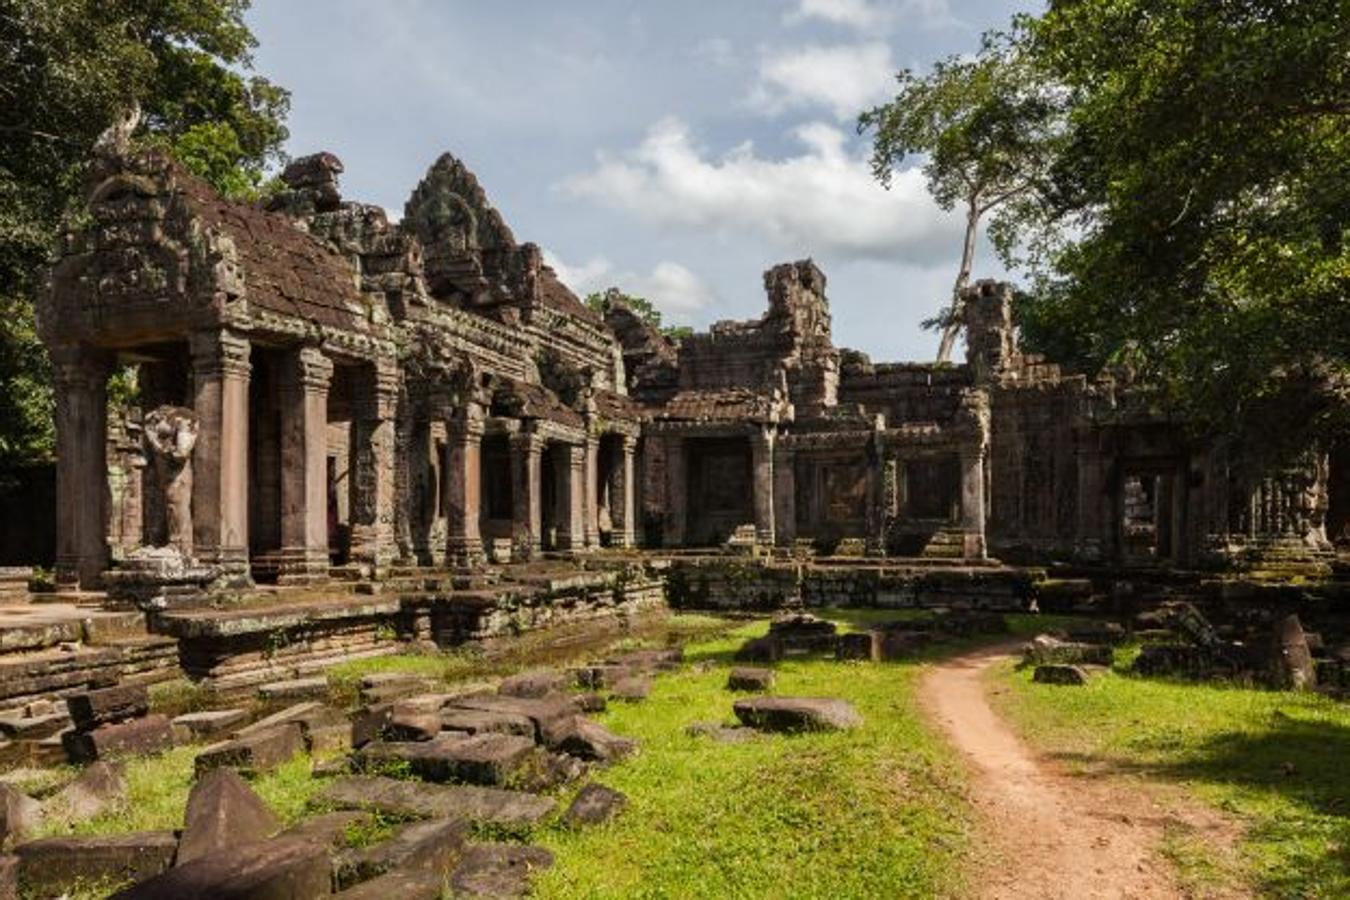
673, 149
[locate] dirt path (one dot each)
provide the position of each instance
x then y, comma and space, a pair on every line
1047, 835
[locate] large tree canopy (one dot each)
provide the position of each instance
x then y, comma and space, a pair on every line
68, 70
1197, 222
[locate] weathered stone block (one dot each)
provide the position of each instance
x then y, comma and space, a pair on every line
20, 814
1057, 674
542, 712
594, 804
895, 645
579, 736
411, 726
1047, 650
294, 689
533, 685
495, 870
223, 812
434, 845
589, 702
410, 799
254, 752
477, 721
97, 787
49, 867
746, 678
632, 689
404, 884
863, 645
487, 759
797, 713
33, 728
279, 869
761, 649
146, 735
115, 704
600, 676
196, 726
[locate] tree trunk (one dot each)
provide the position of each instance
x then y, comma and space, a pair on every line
953, 326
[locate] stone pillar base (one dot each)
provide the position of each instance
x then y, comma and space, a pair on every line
301, 566
974, 546
465, 552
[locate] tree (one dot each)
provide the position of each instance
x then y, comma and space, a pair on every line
985, 127
68, 70
641, 306
1201, 204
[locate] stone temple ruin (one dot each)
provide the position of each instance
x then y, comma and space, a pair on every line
296, 434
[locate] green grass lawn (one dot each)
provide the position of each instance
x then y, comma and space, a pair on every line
1278, 762
874, 812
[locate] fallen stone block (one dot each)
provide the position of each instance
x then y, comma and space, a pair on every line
223, 812
650, 660
51, 866
294, 689
550, 770
803, 632
209, 723
9, 877
496, 870
254, 752
600, 676
863, 645
33, 728
369, 723
136, 736
411, 726
1047, 650
114, 704
580, 737
386, 686
761, 649
1057, 674
310, 716
97, 787
900, 644
20, 814
330, 829
279, 869
789, 714
477, 721
594, 804
404, 884
542, 712
533, 685
746, 678
633, 689
589, 702
486, 759
410, 799
431, 845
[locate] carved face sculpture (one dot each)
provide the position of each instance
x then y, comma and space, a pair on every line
171, 432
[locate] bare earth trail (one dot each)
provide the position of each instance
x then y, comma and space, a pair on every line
1048, 835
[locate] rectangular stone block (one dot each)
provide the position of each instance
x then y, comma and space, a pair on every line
865, 645
115, 704
255, 752
486, 759
208, 723
146, 735
482, 721
51, 866
433, 845
542, 712
279, 869
401, 799
295, 689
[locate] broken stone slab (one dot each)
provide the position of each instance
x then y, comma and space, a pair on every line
108, 705
278, 869
411, 726
33, 728
223, 812
477, 721
196, 726
580, 737
383, 687
497, 870
330, 828
803, 632
99, 786
746, 678
789, 714
542, 712
20, 814
589, 702
899, 644
403, 884
1061, 674
135, 736
551, 770
410, 799
485, 759
593, 804
433, 844
254, 752
723, 734
294, 689
602, 675
52, 866
1046, 649
309, 716
633, 689
761, 649
533, 685
650, 660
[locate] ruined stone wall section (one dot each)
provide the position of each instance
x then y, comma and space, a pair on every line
904, 392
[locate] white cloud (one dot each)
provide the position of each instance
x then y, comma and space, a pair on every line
823, 201
846, 78
716, 50
859, 14
675, 290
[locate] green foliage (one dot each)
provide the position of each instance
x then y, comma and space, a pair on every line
1271, 759
985, 128
1197, 213
69, 70
643, 308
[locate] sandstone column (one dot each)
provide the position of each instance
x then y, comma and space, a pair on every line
972, 502
761, 455
220, 367
571, 497
677, 491
623, 495
526, 478
591, 491
304, 466
462, 482
372, 468
80, 380
785, 493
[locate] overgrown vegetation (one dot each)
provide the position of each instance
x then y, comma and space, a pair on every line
1273, 760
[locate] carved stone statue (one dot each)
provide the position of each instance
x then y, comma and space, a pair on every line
170, 434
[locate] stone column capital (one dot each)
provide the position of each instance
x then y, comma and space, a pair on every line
220, 352
629, 443
316, 369
76, 366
